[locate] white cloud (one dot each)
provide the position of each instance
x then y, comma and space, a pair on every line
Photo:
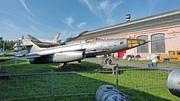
64, 32
5, 12
46, 26
81, 24
33, 27
152, 5
33, 20
105, 5
92, 6
11, 26
110, 21
108, 7
23, 3
114, 5
69, 21
2, 28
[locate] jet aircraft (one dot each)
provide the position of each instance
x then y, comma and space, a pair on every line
18, 46
45, 42
77, 51
18, 40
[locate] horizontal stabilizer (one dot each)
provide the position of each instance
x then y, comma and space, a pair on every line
31, 47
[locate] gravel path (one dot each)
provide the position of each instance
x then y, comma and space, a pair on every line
129, 64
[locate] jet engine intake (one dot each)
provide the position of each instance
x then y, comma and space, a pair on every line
41, 60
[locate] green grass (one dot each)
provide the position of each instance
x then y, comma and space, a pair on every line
66, 86
177, 64
23, 66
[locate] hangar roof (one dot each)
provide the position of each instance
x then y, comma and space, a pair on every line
160, 20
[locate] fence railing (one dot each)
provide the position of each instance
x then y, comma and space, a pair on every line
141, 78
23, 86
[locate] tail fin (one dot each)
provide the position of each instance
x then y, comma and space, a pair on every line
64, 43
31, 47
32, 38
57, 37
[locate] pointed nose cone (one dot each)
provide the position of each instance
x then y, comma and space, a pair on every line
135, 42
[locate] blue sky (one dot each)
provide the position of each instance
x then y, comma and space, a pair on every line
44, 19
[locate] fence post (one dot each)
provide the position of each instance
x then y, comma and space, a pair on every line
117, 71
168, 70
52, 82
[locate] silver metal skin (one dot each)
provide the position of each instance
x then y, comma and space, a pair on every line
174, 82
109, 93
77, 51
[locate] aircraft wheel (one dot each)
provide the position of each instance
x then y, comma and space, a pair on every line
108, 61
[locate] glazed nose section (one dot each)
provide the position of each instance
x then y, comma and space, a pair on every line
135, 42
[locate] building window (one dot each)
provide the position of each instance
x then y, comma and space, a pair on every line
158, 45
143, 48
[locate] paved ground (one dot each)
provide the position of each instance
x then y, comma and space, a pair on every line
120, 63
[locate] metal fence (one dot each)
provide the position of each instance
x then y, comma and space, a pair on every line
50, 84
144, 63
141, 78
22, 86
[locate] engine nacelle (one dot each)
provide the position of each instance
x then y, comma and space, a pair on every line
69, 56
60, 57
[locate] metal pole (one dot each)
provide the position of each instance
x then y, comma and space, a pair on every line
168, 70
4, 45
52, 82
117, 78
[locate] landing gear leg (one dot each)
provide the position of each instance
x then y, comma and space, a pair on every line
103, 59
109, 60
65, 66
79, 61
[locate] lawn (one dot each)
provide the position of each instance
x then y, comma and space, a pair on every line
177, 64
74, 84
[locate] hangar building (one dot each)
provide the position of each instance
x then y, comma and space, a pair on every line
156, 27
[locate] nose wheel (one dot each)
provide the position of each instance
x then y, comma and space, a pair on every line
108, 61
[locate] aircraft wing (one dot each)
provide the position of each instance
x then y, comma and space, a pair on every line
26, 57
33, 38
